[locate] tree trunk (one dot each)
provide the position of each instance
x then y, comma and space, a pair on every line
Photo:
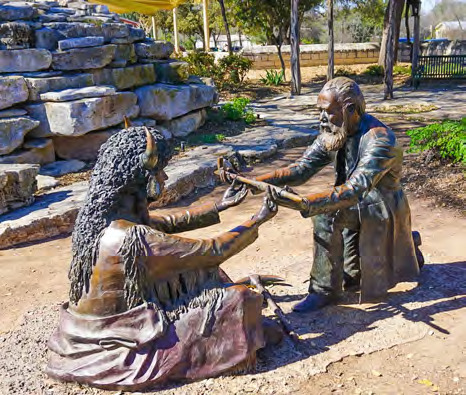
416, 44
280, 56
390, 51
294, 35
408, 32
398, 6
227, 27
331, 42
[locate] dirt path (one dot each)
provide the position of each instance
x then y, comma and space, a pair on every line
35, 276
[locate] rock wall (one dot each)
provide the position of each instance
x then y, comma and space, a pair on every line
437, 48
70, 72
266, 57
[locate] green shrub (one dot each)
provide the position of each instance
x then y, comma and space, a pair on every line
201, 64
343, 72
233, 68
237, 109
273, 77
446, 139
375, 70
401, 70
195, 139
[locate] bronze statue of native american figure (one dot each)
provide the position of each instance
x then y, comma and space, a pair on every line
146, 306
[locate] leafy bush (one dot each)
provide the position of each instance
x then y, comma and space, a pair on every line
273, 77
446, 139
401, 70
228, 72
237, 109
196, 139
343, 72
375, 70
233, 68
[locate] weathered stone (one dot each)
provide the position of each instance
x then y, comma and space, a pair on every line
125, 78
79, 5
23, 60
94, 19
84, 148
17, 186
165, 102
45, 183
48, 18
41, 85
47, 38
62, 10
75, 118
101, 9
77, 94
16, 35
62, 167
186, 124
42, 74
154, 49
12, 112
53, 214
83, 58
15, 12
117, 64
137, 34
38, 151
115, 30
73, 30
12, 132
80, 42
171, 72
125, 52
149, 122
12, 90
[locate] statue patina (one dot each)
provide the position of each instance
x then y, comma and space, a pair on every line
146, 306
362, 226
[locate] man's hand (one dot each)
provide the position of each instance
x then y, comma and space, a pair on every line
233, 196
268, 210
285, 202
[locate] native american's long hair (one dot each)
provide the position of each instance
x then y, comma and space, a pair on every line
119, 172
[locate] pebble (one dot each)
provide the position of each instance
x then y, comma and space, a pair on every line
376, 373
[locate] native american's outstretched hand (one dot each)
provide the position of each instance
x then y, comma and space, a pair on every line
268, 210
285, 202
233, 196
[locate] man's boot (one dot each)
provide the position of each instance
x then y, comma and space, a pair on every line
312, 302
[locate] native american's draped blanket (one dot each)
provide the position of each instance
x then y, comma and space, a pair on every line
140, 349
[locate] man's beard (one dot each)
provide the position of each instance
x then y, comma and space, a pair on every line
334, 137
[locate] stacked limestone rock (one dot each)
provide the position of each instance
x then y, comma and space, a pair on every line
70, 72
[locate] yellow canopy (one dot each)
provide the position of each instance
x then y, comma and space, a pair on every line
147, 7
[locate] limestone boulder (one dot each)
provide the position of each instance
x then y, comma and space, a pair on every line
12, 132
136, 34
38, 151
186, 124
125, 78
46, 38
62, 167
16, 35
78, 117
13, 90
126, 53
171, 72
73, 30
78, 93
17, 186
165, 102
14, 12
24, 60
46, 182
83, 148
154, 50
38, 85
83, 58
80, 42
115, 30
13, 112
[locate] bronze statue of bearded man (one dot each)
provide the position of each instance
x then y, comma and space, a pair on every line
146, 306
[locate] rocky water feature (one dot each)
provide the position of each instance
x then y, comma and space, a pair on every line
70, 71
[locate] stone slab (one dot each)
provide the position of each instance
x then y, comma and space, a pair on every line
45, 183
186, 124
12, 12
80, 42
78, 93
17, 186
52, 214
125, 52
165, 102
12, 132
24, 60
46, 38
35, 151
83, 148
16, 35
83, 58
62, 167
40, 85
13, 90
12, 112
170, 72
75, 118
154, 49
73, 30
125, 78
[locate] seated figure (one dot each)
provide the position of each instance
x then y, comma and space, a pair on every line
146, 306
